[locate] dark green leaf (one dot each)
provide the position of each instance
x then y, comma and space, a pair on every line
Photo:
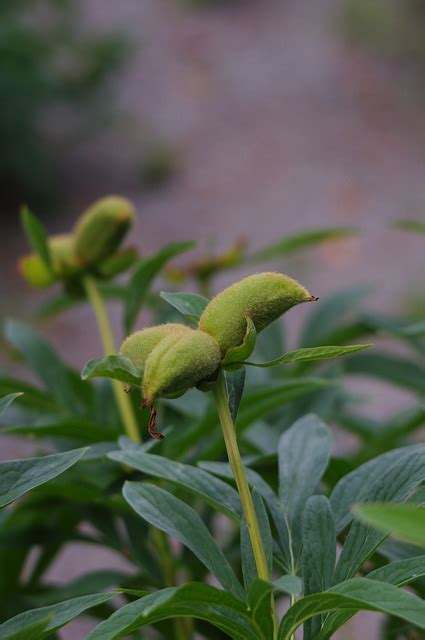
19, 476
215, 492
302, 240
143, 275
190, 305
59, 614
303, 452
260, 598
318, 553
393, 369
236, 355
163, 510
292, 585
31, 632
74, 428
6, 401
404, 521
37, 236
201, 601
115, 367
311, 354
44, 361
355, 595
235, 382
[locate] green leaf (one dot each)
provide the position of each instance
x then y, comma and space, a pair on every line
397, 573
32, 631
260, 602
292, 585
215, 492
143, 275
355, 595
404, 521
303, 453
74, 428
297, 241
393, 369
235, 356
44, 361
318, 553
190, 305
416, 226
247, 555
115, 367
28, 396
37, 236
6, 401
201, 601
59, 614
235, 382
94, 581
19, 476
390, 475
173, 516
394, 482
311, 354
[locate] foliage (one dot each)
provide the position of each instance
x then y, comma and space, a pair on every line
133, 497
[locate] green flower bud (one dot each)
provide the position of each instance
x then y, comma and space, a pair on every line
138, 345
265, 296
178, 363
64, 264
100, 230
34, 271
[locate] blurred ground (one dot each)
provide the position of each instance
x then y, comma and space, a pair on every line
279, 126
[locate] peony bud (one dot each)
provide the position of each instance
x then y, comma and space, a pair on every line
100, 230
178, 363
138, 345
266, 296
64, 265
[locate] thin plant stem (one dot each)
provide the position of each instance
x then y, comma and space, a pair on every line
229, 434
123, 401
292, 600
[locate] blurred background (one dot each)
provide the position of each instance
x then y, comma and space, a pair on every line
224, 121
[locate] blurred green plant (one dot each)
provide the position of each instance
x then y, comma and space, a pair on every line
394, 27
49, 62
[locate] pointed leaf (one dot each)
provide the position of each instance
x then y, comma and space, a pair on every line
19, 476
404, 521
37, 236
355, 595
142, 277
235, 382
311, 354
201, 601
215, 492
190, 305
173, 516
302, 240
292, 585
6, 401
60, 614
303, 452
114, 367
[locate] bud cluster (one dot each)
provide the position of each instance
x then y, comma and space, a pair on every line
91, 247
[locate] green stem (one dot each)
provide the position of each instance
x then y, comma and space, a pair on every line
123, 401
229, 433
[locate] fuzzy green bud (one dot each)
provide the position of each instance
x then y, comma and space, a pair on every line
139, 344
179, 363
100, 230
64, 264
264, 296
